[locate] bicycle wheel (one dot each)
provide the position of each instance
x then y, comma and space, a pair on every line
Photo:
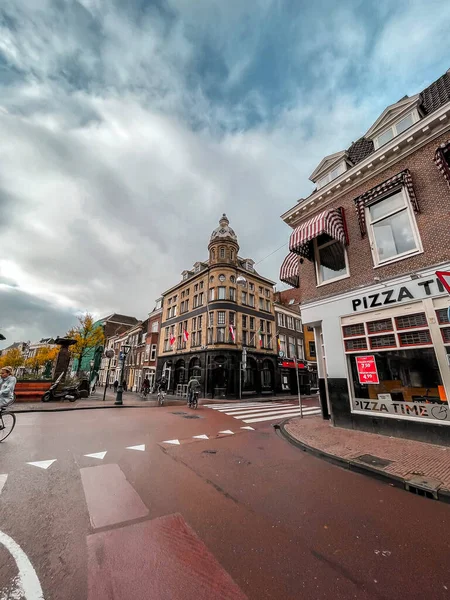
7, 423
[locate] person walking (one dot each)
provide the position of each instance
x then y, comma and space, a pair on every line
124, 385
115, 385
7, 385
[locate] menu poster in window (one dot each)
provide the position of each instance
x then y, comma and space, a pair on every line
367, 369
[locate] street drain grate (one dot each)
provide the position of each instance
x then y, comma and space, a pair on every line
179, 413
191, 417
428, 488
374, 461
209, 452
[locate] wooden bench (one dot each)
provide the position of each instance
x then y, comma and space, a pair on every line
31, 391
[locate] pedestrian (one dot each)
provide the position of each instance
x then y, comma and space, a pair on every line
124, 385
115, 385
7, 385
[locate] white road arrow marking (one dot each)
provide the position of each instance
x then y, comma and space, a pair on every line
141, 447
227, 431
100, 455
175, 442
28, 582
201, 437
249, 428
43, 464
3, 479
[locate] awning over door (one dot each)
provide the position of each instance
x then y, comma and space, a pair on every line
442, 160
330, 222
289, 270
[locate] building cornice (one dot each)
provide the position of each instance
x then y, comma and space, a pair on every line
420, 134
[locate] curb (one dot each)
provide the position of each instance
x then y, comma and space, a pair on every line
443, 494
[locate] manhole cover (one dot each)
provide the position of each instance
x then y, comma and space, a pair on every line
209, 452
374, 461
190, 417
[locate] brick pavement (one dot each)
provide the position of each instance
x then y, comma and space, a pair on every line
410, 459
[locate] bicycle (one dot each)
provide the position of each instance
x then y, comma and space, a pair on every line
7, 422
145, 392
193, 402
161, 397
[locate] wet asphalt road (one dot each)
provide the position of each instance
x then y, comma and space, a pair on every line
234, 516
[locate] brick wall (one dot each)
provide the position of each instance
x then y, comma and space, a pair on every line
433, 222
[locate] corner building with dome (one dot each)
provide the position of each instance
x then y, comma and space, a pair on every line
218, 321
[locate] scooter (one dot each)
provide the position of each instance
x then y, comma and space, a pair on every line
70, 392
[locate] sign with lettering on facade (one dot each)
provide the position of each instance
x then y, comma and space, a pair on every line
435, 411
367, 369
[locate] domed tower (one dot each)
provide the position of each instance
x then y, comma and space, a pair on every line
223, 244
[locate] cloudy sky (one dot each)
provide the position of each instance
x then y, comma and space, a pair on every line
128, 127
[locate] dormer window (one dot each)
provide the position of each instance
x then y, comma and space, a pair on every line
396, 129
249, 266
197, 268
341, 168
185, 276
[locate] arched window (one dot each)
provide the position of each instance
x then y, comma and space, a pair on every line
213, 254
222, 252
232, 254
233, 278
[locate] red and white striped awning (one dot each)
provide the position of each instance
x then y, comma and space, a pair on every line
330, 222
442, 160
289, 270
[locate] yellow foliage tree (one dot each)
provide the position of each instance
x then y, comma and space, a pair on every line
41, 358
13, 358
87, 335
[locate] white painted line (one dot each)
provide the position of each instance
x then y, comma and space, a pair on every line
273, 412
227, 431
230, 406
201, 437
174, 442
42, 464
29, 585
248, 427
100, 455
3, 479
260, 408
273, 417
242, 409
141, 447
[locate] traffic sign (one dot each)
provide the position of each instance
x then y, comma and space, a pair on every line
444, 278
367, 369
281, 354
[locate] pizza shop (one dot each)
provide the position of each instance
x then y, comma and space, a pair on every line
393, 374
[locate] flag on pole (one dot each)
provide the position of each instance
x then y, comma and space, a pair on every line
172, 339
260, 338
279, 343
233, 336
185, 335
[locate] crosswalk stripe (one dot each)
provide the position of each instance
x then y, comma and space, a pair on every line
268, 413
3, 479
256, 406
280, 416
256, 409
234, 405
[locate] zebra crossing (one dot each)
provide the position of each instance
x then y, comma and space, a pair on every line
256, 412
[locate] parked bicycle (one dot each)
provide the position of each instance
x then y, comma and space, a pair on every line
161, 397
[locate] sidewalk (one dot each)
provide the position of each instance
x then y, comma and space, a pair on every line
418, 467
130, 400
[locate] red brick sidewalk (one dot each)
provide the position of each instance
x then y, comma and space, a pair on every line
422, 465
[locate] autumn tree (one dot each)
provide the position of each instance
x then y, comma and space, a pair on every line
87, 335
13, 358
43, 355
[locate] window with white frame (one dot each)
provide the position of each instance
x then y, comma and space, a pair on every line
298, 325
290, 322
341, 168
212, 294
282, 339
291, 347
222, 252
232, 294
396, 129
392, 228
222, 292
331, 259
281, 320
155, 327
153, 352
299, 348
221, 317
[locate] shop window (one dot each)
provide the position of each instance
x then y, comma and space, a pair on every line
382, 341
380, 325
331, 261
392, 230
414, 338
408, 321
356, 344
350, 330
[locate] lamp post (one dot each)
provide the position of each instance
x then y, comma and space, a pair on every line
109, 354
123, 355
298, 388
242, 282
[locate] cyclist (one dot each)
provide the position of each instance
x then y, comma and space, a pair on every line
193, 386
7, 385
145, 386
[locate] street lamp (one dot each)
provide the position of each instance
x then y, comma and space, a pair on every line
123, 356
242, 282
109, 354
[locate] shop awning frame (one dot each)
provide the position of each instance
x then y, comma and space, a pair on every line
442, 160
331, 222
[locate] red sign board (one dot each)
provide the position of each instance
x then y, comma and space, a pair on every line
291, 364
444, 278
367, 369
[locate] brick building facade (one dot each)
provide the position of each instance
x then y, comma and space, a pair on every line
364, 251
